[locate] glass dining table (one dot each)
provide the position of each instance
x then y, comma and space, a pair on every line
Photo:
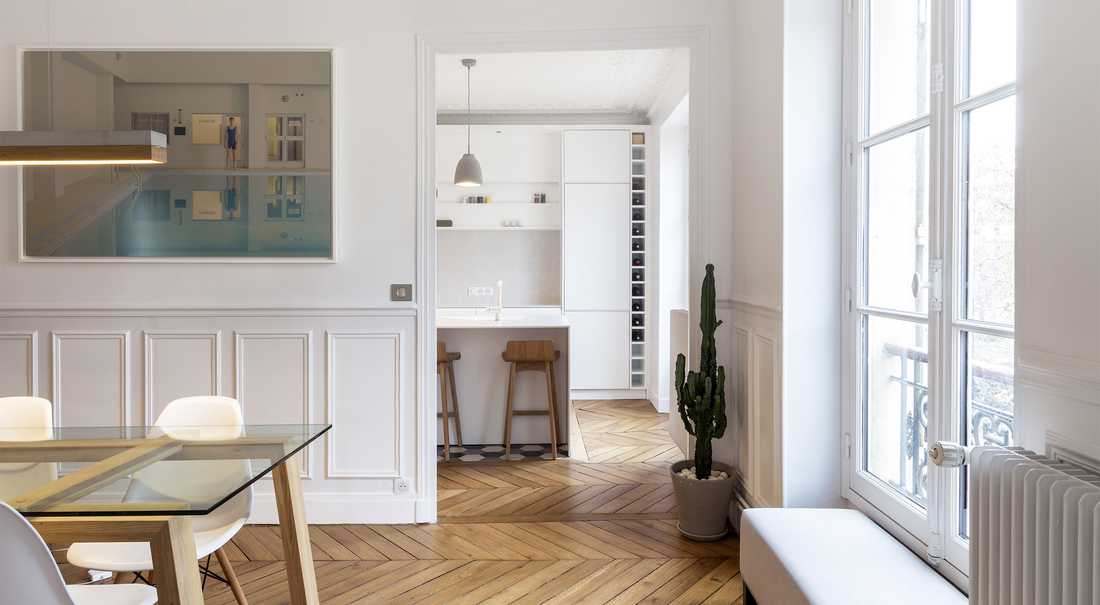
146, 484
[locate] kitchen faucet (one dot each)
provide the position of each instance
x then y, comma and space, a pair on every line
498, 309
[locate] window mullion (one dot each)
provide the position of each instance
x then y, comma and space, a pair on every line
940, 349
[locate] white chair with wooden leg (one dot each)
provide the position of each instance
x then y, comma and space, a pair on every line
445, 368
534, 356
205, 418
25, 419
30, 574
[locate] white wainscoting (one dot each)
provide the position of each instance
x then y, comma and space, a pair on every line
19, 370
757, 397
196, 352
354, 368
90, 372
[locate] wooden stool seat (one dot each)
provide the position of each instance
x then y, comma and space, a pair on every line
531, 356
446, 370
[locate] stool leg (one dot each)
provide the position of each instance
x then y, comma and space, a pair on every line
508, 412
442, 371
554, 408
550, 412
454, 401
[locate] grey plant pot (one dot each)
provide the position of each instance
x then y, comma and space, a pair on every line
703, 505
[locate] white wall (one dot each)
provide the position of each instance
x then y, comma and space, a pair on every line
785, 310
1058, 227
672, 143
284, 313
812, 154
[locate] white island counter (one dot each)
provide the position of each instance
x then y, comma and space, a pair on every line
482, 375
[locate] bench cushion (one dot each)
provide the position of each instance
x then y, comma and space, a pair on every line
792, 556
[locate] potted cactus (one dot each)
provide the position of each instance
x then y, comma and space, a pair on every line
703, 487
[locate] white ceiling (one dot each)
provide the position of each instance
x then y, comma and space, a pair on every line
615, 81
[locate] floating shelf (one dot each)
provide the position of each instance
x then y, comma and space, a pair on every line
500, 228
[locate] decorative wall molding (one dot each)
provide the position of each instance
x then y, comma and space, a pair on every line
753, 308
240, 338
122, 338
34, 310
331, 338
1056, 381
30, 337
214, 337
534, 118
1069, 377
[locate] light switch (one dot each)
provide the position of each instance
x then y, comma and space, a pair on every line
401, 292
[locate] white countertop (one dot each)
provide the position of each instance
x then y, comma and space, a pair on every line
480, 319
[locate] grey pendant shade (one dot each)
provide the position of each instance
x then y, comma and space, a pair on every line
468, 171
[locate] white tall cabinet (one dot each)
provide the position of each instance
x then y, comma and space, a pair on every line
596, 194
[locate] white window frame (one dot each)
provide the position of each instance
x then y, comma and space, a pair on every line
934, 532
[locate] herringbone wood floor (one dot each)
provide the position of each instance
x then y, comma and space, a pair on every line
537, 531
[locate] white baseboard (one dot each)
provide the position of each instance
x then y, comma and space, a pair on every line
333, 508
664, 405
581, 394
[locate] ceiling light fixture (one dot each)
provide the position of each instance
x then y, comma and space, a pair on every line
468, 171
78, 147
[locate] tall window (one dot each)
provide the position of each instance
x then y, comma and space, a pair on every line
930, 187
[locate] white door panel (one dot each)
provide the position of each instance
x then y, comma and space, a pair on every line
596, 156
597, 247
599, 349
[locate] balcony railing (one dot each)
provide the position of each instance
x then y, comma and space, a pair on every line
990, 413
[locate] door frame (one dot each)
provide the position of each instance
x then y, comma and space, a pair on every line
428, 45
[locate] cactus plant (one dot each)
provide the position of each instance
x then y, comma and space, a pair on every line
701, 396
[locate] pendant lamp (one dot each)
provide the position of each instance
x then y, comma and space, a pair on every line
468, 171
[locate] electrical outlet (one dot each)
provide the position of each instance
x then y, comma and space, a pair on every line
401, 292
402, 485
479, 291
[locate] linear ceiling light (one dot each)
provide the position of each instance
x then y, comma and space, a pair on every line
82, 147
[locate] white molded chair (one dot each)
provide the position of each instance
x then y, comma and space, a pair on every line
30, 575
204, 418
25, 419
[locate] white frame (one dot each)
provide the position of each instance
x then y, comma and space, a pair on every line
696, 39
936, 532
334, 55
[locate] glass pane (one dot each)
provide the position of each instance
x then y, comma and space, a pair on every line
897, 62
294, 126
988, 389
274, 126
294, 151
274, 150
896, 404
195, 473
897, 223
990, 212
992, 44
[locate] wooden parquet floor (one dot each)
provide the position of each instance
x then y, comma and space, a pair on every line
553, 531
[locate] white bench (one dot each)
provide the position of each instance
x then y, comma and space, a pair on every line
791, 556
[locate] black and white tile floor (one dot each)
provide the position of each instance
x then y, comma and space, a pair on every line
479, 453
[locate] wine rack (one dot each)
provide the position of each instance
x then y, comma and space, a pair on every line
638, 259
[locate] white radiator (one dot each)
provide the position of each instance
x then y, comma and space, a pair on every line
1034, 528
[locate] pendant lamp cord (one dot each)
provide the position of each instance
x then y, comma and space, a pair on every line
468, 109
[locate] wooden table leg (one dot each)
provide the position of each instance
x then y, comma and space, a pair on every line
174, 563
292, 524
171, 542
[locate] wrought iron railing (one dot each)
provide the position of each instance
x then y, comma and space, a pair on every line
990, 411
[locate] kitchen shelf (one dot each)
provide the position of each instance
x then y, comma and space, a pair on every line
501, 228
490, 184
496, 202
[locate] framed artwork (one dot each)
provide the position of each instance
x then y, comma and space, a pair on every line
206, 128
252, 153
206, 205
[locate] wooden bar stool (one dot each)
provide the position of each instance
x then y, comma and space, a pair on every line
444, 365
534, 356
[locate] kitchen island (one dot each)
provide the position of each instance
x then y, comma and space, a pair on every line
482, 375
